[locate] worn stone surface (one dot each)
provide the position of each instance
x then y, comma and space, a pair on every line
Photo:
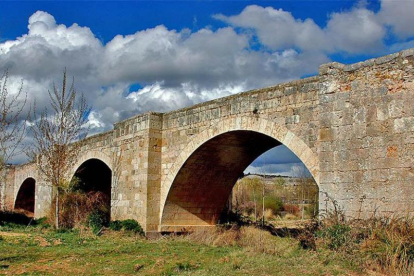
352, 126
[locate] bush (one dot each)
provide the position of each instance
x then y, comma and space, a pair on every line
96, 220
133, 226
292, 209
115, 225
273, 203
130, 225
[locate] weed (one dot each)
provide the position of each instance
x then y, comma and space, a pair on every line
387, 243
185, 266
217, 236
311, 210
336, 235
236, 264
391, 244
63, 231
41, 223
307, 238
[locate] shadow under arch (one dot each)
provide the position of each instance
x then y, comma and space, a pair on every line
25, 199
200, 181
92, 154
94, 175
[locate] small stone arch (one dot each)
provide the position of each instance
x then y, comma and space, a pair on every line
25, 197
93, 154
94, 178
246, 123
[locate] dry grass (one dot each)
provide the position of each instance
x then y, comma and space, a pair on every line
269, 214
249, 237
381, 245
216, 236
385, 243
390, 244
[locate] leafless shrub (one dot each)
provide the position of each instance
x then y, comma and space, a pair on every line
75, 207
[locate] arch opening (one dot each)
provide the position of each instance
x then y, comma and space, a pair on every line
200, 190
277, 188
25, 199
94, 178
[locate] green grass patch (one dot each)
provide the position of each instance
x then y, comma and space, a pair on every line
37, 251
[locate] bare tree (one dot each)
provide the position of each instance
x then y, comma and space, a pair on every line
12, 128
57, 136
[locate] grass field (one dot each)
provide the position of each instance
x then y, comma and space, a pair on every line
35, 251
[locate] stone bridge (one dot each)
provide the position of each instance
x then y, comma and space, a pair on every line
351, 125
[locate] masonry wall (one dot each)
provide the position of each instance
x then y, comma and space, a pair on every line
8, 190
366, 135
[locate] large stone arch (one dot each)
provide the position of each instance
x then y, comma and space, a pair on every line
253, 124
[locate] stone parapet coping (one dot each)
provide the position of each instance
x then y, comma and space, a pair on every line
332, 67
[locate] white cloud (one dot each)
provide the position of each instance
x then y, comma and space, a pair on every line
95, 121
41, 19
278, 29
48, 48
399, 15
157, 97
356, 31
286, 169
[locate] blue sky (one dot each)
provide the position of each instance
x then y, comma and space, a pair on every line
131, 16
130, 57
107, 19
